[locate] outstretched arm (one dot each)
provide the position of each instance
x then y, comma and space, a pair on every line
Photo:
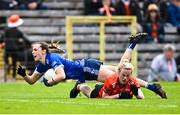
105, 95
137, 92
31, 79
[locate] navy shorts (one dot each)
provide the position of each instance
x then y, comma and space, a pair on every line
91, 68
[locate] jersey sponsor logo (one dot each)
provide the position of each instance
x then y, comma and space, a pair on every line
90, 70
58, 66
54, 64
47, 61
113, 85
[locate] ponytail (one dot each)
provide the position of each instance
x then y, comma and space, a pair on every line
52, 47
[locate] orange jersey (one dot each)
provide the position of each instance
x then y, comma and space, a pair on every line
112, 86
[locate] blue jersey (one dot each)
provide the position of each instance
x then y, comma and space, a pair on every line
72, 69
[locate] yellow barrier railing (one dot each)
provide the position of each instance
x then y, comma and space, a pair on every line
1, 58
102, 20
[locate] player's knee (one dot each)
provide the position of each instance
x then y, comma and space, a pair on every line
95, 92
92, 95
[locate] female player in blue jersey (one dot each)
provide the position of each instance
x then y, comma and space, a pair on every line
85, 69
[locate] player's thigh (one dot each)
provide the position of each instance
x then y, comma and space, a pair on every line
104, 73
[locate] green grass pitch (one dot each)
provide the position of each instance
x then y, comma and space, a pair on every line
23, 98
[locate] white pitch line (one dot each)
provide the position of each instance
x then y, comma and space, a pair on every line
90, 114
86, 103
57, 101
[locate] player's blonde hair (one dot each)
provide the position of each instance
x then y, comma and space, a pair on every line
124, 65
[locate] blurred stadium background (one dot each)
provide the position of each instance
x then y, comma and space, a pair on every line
45, 25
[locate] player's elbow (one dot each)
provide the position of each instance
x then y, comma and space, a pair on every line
63, 77
140, 97
140, 94
31, 83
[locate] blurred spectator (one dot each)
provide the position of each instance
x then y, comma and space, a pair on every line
91, 7
162, 5
2, 20
153, 25
8, 4
14, 42
164, 67
31, 5
174, 13
128, 8
107, 8
178, 63
99, 7
2, 24
148, 2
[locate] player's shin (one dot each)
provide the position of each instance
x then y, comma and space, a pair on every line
145, 84
155, 87
86, 90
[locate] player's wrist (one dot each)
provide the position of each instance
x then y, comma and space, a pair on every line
21, 71
24, 75
49, 83
46, 82
53, 81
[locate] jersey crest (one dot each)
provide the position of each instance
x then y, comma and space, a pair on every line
113, 85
